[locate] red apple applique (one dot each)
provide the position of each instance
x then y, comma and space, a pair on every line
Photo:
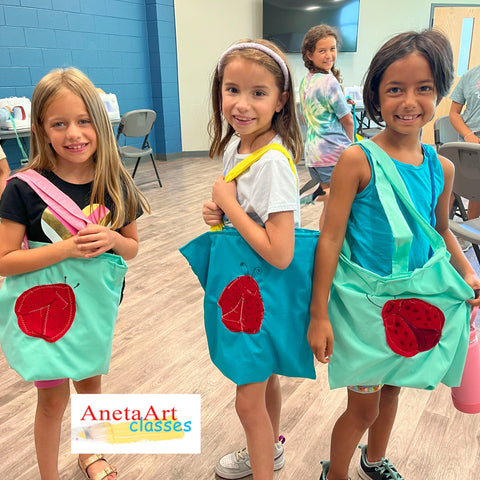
46, 311
242, 305
412, 325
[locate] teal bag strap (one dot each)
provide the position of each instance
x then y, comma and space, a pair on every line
402, 235
388, 181
17, 137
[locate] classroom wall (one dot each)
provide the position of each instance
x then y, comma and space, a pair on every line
203, 33
127, 47
160, 54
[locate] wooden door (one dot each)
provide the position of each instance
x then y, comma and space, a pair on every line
449, 20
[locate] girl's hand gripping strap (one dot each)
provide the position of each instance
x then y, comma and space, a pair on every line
60, 204
247, 162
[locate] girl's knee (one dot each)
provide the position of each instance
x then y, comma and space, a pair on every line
52, 402
250, 403
245, 408
363, 408
390, 393
365, 418
92, 385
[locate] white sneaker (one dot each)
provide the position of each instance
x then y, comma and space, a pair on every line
237, 464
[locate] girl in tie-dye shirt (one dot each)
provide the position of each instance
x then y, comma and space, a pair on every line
327, 114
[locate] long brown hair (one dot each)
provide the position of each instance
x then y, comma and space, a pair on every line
310, 42
284, 123
110, 175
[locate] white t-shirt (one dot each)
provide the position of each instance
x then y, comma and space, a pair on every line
268, 186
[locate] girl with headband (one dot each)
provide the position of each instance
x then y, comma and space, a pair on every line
252, 91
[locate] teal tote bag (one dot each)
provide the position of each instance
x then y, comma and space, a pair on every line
410, 328
256, 316
58, 322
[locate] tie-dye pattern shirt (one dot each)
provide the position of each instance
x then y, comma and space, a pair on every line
323, 105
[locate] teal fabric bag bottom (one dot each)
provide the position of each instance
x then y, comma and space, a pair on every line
410, 328
361, 351
256, 316
58, 322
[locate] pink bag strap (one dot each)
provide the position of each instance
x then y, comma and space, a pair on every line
59, 203
67, 212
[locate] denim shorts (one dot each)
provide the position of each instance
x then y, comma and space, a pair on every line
322, 174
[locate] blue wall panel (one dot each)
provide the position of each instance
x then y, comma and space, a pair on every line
26, 17
110, 40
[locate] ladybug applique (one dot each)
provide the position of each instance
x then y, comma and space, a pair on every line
412, 325
242, 305
46, 311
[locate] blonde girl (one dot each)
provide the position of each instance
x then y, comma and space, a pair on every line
73, 146
253, 105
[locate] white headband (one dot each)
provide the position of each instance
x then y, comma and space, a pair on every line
264, 49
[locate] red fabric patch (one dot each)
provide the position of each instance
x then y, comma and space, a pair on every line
46, 311
412, 325
242, 305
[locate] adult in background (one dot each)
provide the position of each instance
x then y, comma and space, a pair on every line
467, 124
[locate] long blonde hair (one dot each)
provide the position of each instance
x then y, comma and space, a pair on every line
110, 176
284, 123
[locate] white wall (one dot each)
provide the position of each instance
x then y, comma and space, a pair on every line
379, 20
205, 29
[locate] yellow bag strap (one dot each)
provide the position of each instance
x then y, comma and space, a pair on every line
247, 162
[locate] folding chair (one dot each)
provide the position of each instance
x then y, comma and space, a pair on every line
466, 158
137, 123
443, 131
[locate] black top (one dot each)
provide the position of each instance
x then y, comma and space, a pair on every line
21, 204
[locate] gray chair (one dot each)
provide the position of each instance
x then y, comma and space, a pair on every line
365, 128
443, 131
137, 123
466, 184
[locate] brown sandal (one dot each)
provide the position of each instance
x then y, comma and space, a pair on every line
84, 464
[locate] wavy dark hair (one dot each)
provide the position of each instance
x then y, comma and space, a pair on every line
431, 44
310, 42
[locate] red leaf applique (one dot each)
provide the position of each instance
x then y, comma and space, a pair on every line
46, 311
242, 305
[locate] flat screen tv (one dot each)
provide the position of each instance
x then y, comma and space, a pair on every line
285, 22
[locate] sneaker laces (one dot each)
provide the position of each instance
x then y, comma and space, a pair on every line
388, 470
241, 455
